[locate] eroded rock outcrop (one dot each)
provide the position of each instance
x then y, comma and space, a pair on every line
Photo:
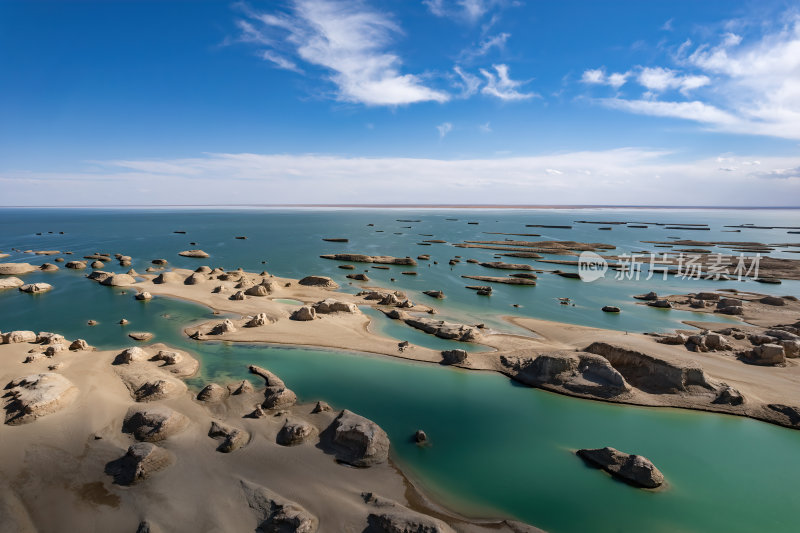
357, 441
276, 395
295, 431
578, 372
142, 460
330, 305
377, 259
37, 395
194, 253
153, 423
212, 393
444, 330
633, 469
10, 283
319, 281
168, 277
388, 516
654, 375
232, 438
10, 269
36, 288
277, 514
305, 313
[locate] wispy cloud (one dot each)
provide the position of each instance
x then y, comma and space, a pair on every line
348, 40
444, 129
499, 85
599, 77
623, 176
467, 10
485, 46
732, 85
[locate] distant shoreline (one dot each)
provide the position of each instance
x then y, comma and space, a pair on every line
392, 206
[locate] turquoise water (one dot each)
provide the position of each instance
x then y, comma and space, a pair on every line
497, 448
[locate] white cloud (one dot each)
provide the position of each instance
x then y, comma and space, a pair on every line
486, 45
444, 129
501, 86
612, 177
468, 83
345, 38
667, 26
598, 77
661, 79
468, 10
485, 128
753, 86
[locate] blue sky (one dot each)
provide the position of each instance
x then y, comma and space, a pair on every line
436, 101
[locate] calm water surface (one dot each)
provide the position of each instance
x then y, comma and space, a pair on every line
498, 448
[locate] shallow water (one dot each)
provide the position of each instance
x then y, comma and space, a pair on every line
497, 448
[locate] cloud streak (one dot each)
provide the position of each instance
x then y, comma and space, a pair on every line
348, 40
614, 177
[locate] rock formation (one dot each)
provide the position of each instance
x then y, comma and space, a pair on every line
357, 441
194, 253
153, 423
36, 288
295, 431
10, 269
276, 395
633, 469
319, 281
37, 395
232, 438
277, 514
142, 460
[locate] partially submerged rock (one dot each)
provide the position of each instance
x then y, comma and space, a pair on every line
444, 330
142, 336
357, 441
37, 395
10, 269
10, 283
633, 469
142, 460
194, 253
319, 281
36, 288
76, 265
143, 296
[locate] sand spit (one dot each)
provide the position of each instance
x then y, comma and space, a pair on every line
711, 381
88, 455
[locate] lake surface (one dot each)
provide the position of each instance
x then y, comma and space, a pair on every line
497, 448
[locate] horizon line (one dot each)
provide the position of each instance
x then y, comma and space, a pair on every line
405, 206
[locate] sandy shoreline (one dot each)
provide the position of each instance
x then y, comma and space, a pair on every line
760, 386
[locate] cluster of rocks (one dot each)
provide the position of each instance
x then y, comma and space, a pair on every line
323, 307
443, 329
388, 298
377, 259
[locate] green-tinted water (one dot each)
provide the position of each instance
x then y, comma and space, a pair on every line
497, 448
